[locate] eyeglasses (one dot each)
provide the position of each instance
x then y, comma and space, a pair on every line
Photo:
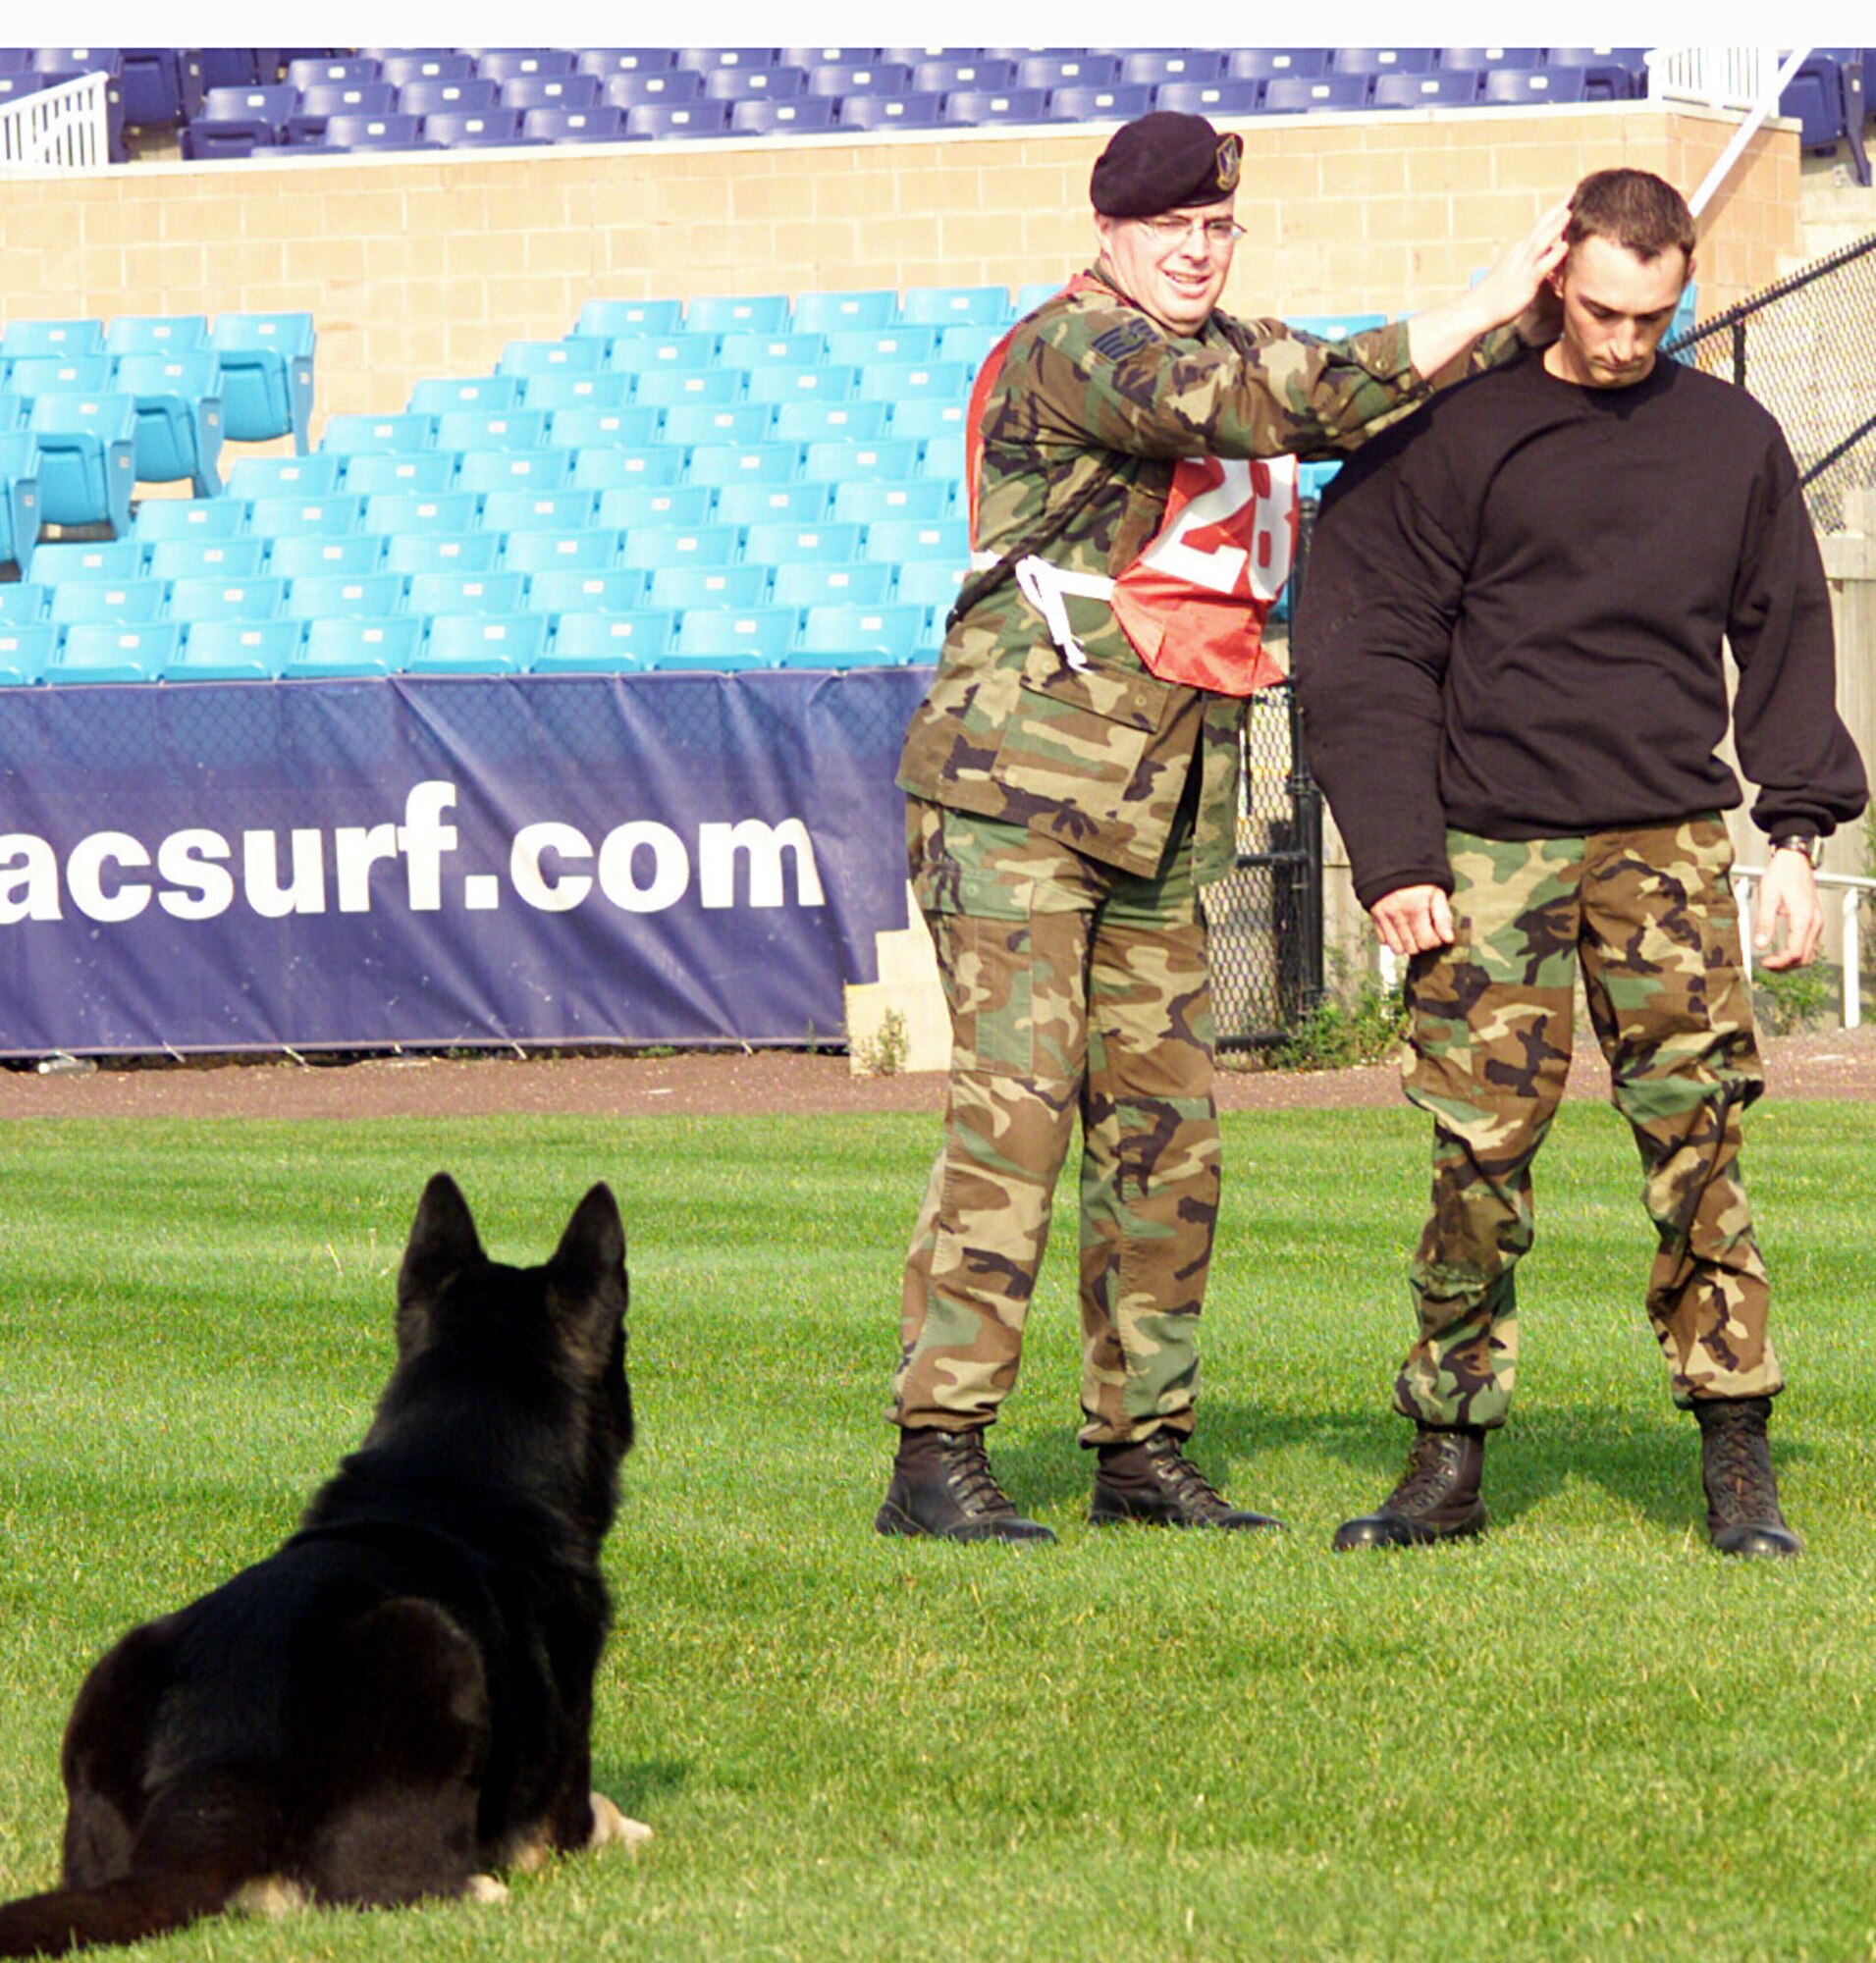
1169, 231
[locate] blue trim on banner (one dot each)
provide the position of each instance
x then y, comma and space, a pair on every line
435, 861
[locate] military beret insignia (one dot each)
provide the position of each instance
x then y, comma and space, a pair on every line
1162, 161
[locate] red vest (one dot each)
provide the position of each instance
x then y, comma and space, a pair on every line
1195, 601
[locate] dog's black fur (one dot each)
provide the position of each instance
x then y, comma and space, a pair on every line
399, 1699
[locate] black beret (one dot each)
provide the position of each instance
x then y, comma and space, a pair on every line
1162, 161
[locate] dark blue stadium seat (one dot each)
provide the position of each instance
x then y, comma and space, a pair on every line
1826, 95
448, 96
505, 64
656, 120
235, 122
1609, 75
635, 89
758, 117
812, 58
941, 76
336, 70
604, 62
844, 78
1380, 60
742, 85
1443, 88
972, 106
15, 87
373, 132
603, 123
325, 100
479, 129
1098, 102
1508, 85
1294, 95
1156, 67
551, 91
1485, 57
1241, 97
1068, 71
432, 65
154, 91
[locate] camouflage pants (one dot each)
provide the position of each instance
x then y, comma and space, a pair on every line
1074, 989
1649, 913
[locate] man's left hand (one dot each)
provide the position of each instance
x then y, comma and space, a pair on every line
1789, 889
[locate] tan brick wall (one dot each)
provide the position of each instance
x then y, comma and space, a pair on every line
428, 265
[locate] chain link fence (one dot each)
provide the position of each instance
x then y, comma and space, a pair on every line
1806, 346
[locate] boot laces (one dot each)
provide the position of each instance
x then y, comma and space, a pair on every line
1179, 1472
1429, 1471
967, 1470
1742, 1469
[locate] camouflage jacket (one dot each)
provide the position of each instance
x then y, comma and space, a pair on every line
1080, 435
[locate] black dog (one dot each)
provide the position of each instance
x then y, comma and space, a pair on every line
400, 1699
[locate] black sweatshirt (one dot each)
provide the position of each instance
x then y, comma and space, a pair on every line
1512, 616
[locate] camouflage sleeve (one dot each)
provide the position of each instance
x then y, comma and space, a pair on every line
1110, 378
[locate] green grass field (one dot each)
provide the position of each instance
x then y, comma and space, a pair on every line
1583, 1736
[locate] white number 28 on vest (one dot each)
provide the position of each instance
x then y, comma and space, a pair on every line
1240, 528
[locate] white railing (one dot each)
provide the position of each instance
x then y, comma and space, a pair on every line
63, 127
1853, 889
1749, 81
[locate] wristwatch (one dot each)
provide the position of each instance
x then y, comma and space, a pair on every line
1797, 842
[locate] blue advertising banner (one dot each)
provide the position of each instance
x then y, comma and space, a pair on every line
446, 860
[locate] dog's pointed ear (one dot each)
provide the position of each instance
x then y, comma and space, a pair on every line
443, 1239
588, 1271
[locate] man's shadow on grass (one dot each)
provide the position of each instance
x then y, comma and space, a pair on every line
1648, 1459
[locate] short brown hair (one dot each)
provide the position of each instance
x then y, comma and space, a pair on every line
1638, 211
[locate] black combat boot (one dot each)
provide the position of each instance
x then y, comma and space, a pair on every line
1736, 1467
942, 1486
1438, 1497
1156, 1482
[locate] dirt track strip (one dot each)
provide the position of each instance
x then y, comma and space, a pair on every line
1837, 1063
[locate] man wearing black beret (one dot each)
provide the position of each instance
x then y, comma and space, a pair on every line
1073, 777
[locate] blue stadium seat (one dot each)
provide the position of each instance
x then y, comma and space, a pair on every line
1827, 98
608, 319
156, 333
86, 449
1334, 326
759, 117
929, 583
738, 314
18, 501
56, 340
97, 651
606, 643
537, 471
325, 102
603, 62
602, 123
505, 64
109, 603
158, 519
205, 559
523, 359
530, 511
946, 306
368, 471
1156, 67
816, 583
721, 463
850, 635
687, 586
663, 119
26, 648
686, 506
314, 475
561, 391
900, 541
925, 416
779, 84
577, 589
1119, 104
1609, 75
581, 428
392, 132
1442, 88
480, 643
653, 545
334, 72
490, 393
1056, 72
835, 462
889, 112
758, 504
858, 347
1381, 61
813, 422
479, 429
971, 107
1228, 96
601, 466
301, 556
438, 65
155, 96
668, 388
541, 552
866, 500
441, 551
826, 312
1479, 59
332, 649
841, 79
944, 458
306, 517
235, 122
35, 375
948, 74
813, 58
256, 599
654, 89
705, 60
828, 381
474, 129
831, 543
74, 561
468, 592
761, 636
406, 512
969, 345
528, 92
652, 354
178, 417
22, 602
900, 381
267, 375
1540, 86
692, 423
1298, 95
233, 651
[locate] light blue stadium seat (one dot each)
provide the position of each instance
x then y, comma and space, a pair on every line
947, 306
780, 544
691, 388
257, 598
326, 518
828, 383
539, 510
25, 647
819, 583
86, 446
159, 519
205, 559
56, 338
900, 541
930, 582
858, 347
830, 312
813, 422
944, 458
22, 602
96, 652
72, 560
837, 462
692, 423
233, 651
866, 501
772, 350
13, 409
350, 436
315, 475
466, 592
572, 589
855, 636
299, 556
156, 333
901, 382
425, 472
606, 643
35, 375
441, 551
654, 545
762, 634
738, 314
538, 552
598, 426
970, 345
178, 417
600, 467
475, 429
419, 512
609, 319
333, 649
757, 504
267, 375
480, 644
116, 603
1335, 326
536, 473
687, 586
724, 463
631, 505
560, 390
490, 393
925, 416
639, 354
1033, 293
